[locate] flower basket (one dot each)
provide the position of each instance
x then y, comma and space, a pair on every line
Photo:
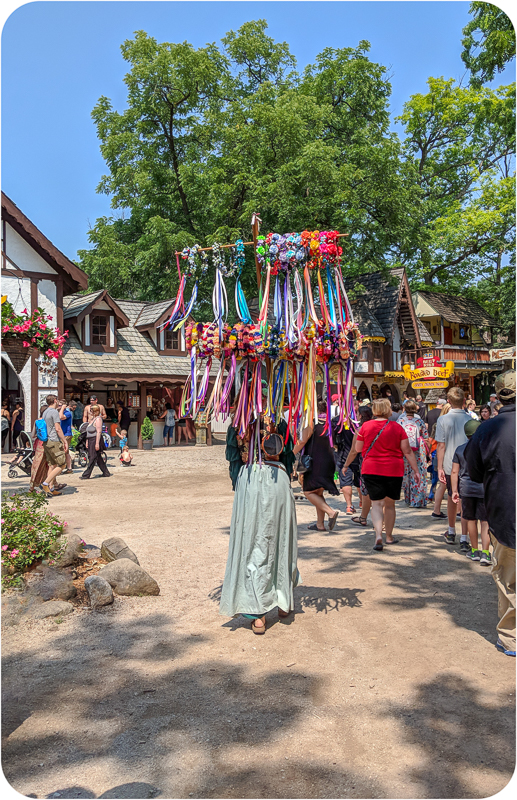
17, 352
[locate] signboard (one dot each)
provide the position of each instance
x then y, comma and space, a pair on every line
432, 396
428, 373
500, 353
430, 384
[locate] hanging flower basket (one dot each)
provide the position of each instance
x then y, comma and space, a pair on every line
18, 354
23, 334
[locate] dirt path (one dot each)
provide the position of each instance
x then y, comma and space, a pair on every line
386, 683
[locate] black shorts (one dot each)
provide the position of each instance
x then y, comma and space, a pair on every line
449, 485
473, 508
381, 486
349, 477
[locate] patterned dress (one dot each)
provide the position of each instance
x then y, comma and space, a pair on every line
415, 496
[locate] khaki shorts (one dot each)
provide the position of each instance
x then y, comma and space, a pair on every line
54, 453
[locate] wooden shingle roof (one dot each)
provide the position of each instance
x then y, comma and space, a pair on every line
458, 309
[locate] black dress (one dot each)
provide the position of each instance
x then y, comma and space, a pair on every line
323, 467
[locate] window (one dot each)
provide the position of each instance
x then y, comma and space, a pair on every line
99, 329
172, 340
377, 352
363, 354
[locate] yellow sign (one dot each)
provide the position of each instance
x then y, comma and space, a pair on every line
428, 373
430, 384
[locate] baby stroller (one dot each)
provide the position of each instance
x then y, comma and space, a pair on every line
81, 448
24, 456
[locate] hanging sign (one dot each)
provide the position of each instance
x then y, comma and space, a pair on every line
430, 384
499, 354
428, 373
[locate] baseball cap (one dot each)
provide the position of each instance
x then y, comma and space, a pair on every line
335, 398
471, 426
505, 384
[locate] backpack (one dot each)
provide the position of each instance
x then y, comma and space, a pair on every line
41, 430
413, 434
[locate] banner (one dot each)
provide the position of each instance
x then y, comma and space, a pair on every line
499, 354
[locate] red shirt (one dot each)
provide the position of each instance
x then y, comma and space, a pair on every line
385, 457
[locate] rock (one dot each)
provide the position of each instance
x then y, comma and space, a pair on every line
15, 607
52, 584
52, 608
73, 549
126, 577
99, 591
91, 551
116, 548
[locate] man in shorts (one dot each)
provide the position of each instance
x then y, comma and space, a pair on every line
450, 433
55, 447
472, 496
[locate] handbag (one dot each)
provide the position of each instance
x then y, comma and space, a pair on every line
304, 463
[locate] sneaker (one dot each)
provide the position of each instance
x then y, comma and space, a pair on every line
450, 538
485, 560
474, 555
466, 548
500, 646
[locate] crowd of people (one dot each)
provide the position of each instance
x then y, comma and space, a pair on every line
396, 449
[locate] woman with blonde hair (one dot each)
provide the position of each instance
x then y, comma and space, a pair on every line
95, 444
384, 445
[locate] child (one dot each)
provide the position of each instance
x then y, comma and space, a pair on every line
125, 457
472, 500
123, 439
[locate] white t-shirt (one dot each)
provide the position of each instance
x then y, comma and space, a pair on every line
450, 428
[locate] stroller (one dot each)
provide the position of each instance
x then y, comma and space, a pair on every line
24, 456
81, 448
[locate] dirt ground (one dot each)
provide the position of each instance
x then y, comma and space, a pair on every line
386, 683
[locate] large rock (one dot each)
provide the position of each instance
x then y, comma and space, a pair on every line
16, 606
99, 591
52, 608
116, 548
73, 545
126, 577
52, 584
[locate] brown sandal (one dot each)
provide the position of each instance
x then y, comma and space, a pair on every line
359, 520
284, 613
259, 631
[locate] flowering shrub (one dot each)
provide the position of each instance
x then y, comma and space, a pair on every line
29, 532
33, 330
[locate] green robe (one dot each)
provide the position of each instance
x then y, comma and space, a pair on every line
261, 571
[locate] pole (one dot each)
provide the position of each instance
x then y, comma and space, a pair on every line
255, 227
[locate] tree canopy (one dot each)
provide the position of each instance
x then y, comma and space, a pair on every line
213, 134
488, 42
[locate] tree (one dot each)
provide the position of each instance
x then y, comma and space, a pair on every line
460, 144
488, 42
212, 135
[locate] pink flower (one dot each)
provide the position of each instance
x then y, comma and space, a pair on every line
14, 553
65, 524
25, 311
26, 344
5, 328
49, 317
5, 546
17, 328
43, 327
2, 521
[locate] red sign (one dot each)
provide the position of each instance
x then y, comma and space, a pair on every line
428, 360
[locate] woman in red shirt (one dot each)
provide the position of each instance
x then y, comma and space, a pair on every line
384, 445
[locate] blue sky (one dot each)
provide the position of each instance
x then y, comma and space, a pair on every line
58, 58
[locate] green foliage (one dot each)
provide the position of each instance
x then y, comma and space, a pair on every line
459, 144
488, 42
147, 429
213, 134
29, 532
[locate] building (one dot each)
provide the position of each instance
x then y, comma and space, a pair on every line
116, 349
462, 332
34, 274
392, 333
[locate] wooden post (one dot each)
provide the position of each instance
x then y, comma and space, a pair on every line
142, 412
255, 227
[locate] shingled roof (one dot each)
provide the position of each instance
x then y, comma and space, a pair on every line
381, 297
366, 320
74, 304
152, 312
458, 309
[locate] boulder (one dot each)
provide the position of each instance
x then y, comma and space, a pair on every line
51, 608
99, 591
73, 545
126, 577
116, 548
16, 606
52, 584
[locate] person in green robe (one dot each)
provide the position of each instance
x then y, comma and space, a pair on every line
261, 571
